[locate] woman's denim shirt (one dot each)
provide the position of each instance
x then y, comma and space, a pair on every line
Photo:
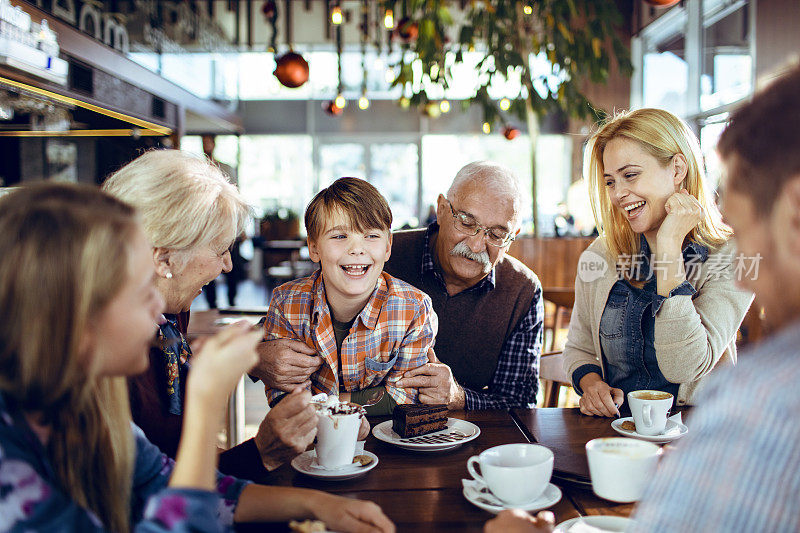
628, 323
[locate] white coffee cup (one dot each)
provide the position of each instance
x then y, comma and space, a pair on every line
621, 468
336, 439
650, 409
515, 473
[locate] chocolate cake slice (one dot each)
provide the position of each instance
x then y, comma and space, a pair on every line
415, 419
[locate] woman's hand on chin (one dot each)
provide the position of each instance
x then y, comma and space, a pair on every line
684, 213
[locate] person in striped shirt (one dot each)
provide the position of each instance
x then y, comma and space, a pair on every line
366, 326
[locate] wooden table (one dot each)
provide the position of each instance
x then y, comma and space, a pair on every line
422, 492
566, 432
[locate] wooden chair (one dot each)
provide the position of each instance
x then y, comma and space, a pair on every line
563, 298
552, 377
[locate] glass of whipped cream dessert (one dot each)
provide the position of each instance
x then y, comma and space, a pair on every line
337, 430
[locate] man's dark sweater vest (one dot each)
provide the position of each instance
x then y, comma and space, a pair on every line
473, 324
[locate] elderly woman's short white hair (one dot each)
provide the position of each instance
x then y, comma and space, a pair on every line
184, 200
490, 177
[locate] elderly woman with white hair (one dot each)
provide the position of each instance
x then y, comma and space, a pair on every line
191, 215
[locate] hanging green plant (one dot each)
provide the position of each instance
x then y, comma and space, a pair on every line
552, 48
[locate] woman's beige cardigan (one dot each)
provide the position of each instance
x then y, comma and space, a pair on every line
692, 335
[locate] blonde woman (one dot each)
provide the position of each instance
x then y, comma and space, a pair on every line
192, 215
664, 312
79, 308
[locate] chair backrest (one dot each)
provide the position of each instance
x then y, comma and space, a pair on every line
552, 375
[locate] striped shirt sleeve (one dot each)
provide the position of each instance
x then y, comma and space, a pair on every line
736, 471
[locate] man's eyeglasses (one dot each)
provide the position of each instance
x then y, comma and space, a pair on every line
467, 225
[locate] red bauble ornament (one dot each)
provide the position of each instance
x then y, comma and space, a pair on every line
662, 3
268, 9
291, 70
332, 109
407, 29
510, 132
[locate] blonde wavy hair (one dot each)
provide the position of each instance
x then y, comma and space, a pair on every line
662, 135
63, 258
185, 201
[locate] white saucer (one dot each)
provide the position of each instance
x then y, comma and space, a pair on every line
606, 523
384, 432
306, 463
674, 430
549, 498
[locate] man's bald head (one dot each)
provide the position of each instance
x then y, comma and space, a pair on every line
489, 178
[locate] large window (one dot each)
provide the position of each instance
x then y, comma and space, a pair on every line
391, 166
727, 74
666, 74
697, 61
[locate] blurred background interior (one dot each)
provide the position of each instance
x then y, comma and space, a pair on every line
289, 95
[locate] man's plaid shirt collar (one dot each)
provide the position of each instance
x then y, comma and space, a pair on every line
369, 315
429, 267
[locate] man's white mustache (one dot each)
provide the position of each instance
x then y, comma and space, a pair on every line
463, 250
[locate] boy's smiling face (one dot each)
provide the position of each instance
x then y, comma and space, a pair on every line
351, 262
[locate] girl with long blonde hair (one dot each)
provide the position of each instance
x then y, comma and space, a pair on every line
79, 309
655, 301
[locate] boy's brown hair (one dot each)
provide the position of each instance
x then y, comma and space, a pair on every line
359, 201
763, 143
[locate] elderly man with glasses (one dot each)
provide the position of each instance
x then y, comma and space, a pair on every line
489, 304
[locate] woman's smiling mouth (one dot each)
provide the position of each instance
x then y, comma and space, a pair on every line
633, 210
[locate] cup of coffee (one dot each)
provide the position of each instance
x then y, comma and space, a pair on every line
621, 468
650, 409
337, 432
515, 473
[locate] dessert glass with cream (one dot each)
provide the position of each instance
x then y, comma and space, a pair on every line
337, 431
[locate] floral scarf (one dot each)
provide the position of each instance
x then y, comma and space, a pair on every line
175, 350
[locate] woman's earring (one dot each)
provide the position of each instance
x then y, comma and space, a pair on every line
168, 275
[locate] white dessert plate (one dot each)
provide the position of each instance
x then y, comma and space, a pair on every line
454, 435
674, 430
606, 523
306, 463
549, 498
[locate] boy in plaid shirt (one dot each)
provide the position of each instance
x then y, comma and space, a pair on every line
367, 326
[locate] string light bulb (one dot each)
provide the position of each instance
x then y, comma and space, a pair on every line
388, 19
505, 104
340, 102
444, 106
487, 128
527, 9
363, 102
336, 15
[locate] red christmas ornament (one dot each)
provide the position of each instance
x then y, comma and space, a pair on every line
332, 109
407, 29
268, 9
291, 70
662, 3
510, 132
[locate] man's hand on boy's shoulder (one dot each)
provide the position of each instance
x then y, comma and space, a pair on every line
436, 385
284, 364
